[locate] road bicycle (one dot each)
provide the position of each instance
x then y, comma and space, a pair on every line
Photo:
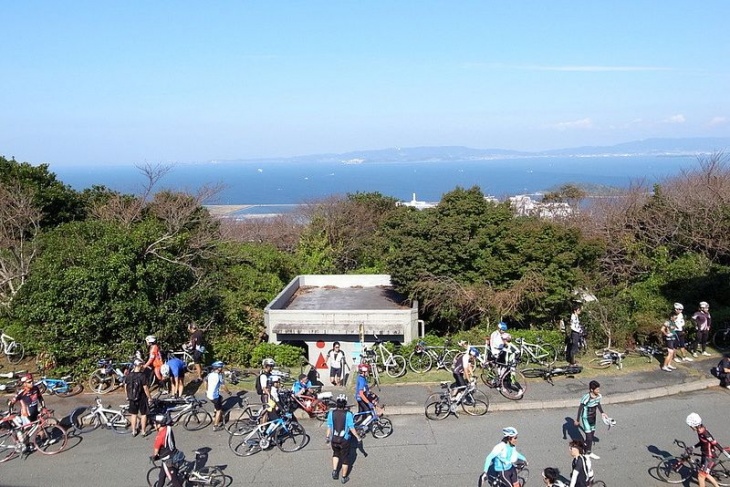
243, 417
547, 373
186, 355
539, 353
607, 358
14, 351
284, 432
11, 385
373, 422
509, 381
424, 357
187, 410
488, 479
677, 470
380, 358
87, 419
721, 337
441, 405
108, 376
63, 387
189, 472
316, 405
649, 352
45, 434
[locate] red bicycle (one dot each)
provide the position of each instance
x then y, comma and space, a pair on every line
315, 404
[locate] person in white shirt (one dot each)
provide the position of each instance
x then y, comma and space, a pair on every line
215, 382
680, 344
335, 362
576, 333
496, 343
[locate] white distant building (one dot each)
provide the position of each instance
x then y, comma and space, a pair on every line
526, 206
414, 203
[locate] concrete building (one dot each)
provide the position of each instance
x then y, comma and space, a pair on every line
317, 310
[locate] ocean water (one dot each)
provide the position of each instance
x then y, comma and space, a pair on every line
286, 183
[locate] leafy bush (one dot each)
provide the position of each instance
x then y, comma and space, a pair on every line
283, 354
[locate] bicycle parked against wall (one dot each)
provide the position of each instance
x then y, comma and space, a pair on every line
679, 469
14, 351
190, 472
424, 357
441, 405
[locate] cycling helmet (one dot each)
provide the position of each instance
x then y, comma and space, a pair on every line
150, 339
341, 401
678, 306
509, 432
704, 304
693, 420
217, 364
609, 421
507, 337
363, 368
163, 419
164, 370
26, 378
274, 379
502, 326
268, 362
474, 352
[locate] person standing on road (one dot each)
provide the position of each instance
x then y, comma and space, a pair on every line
138, 394
336, 363
581, 474
670, 340
213, 392
680, 335
703, 320
707, 445
340, 427
502, 458
586, 418
196, 345
576, 335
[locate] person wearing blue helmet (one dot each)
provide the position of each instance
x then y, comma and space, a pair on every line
214, 381
496, 342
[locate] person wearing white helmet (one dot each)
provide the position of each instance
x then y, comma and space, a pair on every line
703, 321
680, 345
154, 362
501, 460
708, 448
262, 381
340, 428
215, 383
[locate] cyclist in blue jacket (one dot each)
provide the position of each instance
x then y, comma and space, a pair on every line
502, 458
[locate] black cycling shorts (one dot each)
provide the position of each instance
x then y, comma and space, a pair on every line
341, 450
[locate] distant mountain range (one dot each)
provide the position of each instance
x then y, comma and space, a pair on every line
656, 147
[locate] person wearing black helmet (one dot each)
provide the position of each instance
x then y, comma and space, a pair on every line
164, 449
340, 427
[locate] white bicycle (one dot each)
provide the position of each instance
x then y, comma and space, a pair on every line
13, 350
88, 419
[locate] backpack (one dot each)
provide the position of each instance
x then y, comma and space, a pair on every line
259, 389
134, 383
458, 364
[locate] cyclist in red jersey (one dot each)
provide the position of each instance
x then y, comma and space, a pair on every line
164, 449
708, 446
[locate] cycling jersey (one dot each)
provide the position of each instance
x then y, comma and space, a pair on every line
298, 387
703, 320
214, 380
503, 456
495, 342
707, 444
587, 411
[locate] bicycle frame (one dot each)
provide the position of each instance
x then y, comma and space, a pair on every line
62, 386
11, 348
106, 417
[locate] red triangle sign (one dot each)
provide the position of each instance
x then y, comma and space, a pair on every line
321, 362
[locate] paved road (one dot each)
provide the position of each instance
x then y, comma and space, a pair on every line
419, 453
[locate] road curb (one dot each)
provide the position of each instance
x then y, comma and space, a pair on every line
634, 396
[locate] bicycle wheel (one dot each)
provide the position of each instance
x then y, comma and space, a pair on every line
189, 362
420, 363
102, 384
489, 377
600, 363
437, 407
546, 354
152, 475
245, 420
475, 403
15, 353
293, 440
197, 419
208, 476
50, 439
320, 409
84, 420
396, 366
245, 444
535, 372
513, 385
382, 428
721, 473
449, 357
9, 447
71, 389
721, 338
43, 388
120, 423
674, 470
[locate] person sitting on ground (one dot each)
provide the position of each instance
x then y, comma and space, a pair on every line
302, 386
723, 371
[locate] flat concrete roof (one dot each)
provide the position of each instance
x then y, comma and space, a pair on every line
347, 298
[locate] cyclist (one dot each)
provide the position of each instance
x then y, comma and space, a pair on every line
154, 362
551, 477
680, 335
362, 393
215, 383
496, 343
340, 426
164, 450
31, 403
196, 345
581, 474
262, 381
668, 332
302, 386
176, 371
335, 362
576, 334
502, 459
707, 445
703, 320
138, 395
586, 418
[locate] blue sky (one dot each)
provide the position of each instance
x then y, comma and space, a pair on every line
132, 82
